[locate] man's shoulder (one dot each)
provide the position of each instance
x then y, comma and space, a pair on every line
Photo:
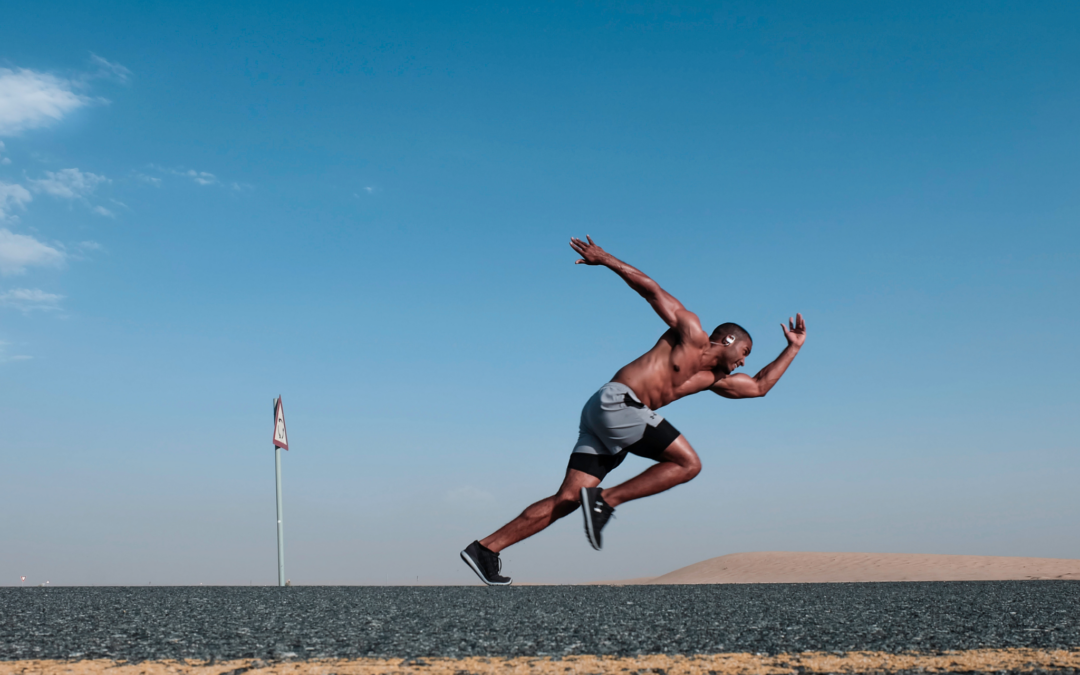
689, 328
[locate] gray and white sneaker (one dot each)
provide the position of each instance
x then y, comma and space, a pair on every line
485, 563
597, 513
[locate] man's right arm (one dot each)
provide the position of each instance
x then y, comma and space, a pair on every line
670, 310
741, 385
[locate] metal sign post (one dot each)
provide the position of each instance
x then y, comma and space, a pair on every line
281, 440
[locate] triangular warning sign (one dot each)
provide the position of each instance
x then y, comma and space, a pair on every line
281, 439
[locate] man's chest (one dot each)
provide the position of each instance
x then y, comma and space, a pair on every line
689, 374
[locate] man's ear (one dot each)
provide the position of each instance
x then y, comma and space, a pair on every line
728, 340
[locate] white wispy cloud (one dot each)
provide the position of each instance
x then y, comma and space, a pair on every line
201, 177
80, 250
68, 183
12, 197
30, 299
152, 180
102, 211
3, 160
5, 358
30, 99
107, 68
19, 251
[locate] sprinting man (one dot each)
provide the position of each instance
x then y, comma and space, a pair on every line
621, 417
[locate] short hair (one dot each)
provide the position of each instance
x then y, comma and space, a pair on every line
729, 328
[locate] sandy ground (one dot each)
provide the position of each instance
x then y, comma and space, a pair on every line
779, 567
977, 660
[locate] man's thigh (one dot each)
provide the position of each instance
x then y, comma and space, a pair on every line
595, 465
680, 452
575, 480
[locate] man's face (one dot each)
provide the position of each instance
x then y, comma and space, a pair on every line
734, 355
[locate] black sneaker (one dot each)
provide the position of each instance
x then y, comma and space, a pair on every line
597, 513
485, 563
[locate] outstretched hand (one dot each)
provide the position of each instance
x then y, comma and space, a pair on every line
590, 253
795, 331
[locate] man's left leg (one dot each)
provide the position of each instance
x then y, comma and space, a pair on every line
543, 513
483, 556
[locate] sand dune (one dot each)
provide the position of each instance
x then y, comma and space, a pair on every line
786, 567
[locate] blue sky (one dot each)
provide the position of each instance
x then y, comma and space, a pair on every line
366, 209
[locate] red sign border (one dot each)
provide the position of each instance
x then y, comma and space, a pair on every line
273, 434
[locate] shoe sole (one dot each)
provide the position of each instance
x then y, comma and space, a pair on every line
586, 510
475, 568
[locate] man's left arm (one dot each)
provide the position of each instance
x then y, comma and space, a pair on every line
741, 385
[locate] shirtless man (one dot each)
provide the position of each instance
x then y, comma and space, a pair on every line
619, 419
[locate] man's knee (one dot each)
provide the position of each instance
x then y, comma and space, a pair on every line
568, 495
566, 501
689, 466
681, 454
692, 468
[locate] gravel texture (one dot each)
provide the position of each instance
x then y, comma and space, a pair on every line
222, 623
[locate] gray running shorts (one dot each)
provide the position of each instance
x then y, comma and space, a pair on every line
615, 422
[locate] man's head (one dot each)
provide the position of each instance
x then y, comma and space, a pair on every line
732, 344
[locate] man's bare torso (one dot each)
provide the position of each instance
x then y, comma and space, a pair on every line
676, 366
684, 361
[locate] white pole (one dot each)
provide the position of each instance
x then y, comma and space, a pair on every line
280, 527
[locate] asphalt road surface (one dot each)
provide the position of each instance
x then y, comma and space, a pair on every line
272, 624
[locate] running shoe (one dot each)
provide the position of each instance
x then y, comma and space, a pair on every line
597, 513
485, 563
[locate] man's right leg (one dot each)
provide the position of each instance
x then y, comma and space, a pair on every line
677, 464
543, 513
